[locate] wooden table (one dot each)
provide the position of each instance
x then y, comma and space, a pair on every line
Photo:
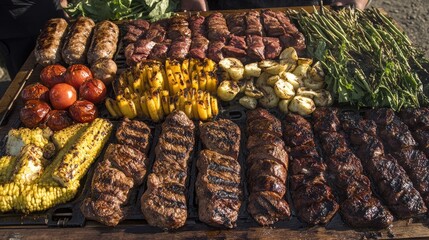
137, 230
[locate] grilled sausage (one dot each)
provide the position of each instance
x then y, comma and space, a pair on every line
104, 41
77, 41
48, 43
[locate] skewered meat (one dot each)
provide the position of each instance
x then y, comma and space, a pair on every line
179, 48
109, 192
77, 41
156, 32
218, 189
267, 170
49, 42
217, 28
164, 202
215, 50
197, 26
255, 47
253, 23
358, 206
401, 144
135, 29
272, 47
222, 136
179, 28
104, 41
236, 23
135, 134
312, 197
390, 178
230, 51
138, 51
160, 50
199, 47
238, 42
272, 26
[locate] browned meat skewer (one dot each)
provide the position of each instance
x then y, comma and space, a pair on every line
358, 206
104, 41
253, 23
217, 28
164, 203
197, 26
218, 186
134, 30
49, 42
267, 164
312, 197
77, 41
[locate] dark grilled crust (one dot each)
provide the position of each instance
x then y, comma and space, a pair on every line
218, 189
222, 136
135, 134
77, 41
49, 42
129, 160
267, 168
164, 202
102, 209
104, 41
312, 197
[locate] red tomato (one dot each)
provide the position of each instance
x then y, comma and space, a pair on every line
77, 74
62, 96
83, 111
93, 90
52, 74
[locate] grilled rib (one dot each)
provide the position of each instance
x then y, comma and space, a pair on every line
164, 202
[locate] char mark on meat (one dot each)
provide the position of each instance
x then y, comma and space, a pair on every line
271, 24
199, 47
253, 23
138, 51
272, 47
135, 134
222, 136
214, 51
197, 26
160, 50
179, 48
156, 32
217, 28
255, 47
236, 23
238, 42
178, 28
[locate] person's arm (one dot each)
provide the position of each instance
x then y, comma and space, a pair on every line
194, 5
359, 4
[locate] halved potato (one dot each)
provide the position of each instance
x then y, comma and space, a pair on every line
270, 99
284, 105
289, 54
302, 105
301, 70
262, 79
252, 70
305, 92
227, 90
323, 98
234, 67
284, 89
248, 102
313, 85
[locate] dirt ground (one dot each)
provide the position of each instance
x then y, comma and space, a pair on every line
412, 16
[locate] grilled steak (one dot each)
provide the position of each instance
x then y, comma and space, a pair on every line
109, 192
236, 23
129, 160
253, 23
238, 42
138, 51
159, 51
164, 202
215, 50
199, 47
49, 42
135, 134
104, 41
222, 136
312, 197
179, 48
267, 169
178, 28
358, 206
77, 41
272, 47
156, 32
255, 47
135, 29
197, 26
272, 25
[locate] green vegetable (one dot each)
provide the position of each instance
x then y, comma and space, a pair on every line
369, 62
122, 9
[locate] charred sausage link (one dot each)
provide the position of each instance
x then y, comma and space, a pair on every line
267, 164
388, 175
49, 42
358, 206
311, 195
104, 41
77, 41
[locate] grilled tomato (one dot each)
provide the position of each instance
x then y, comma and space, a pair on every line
77, 74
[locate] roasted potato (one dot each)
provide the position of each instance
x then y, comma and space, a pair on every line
252, 70
234, 67
270, 99
272, 80
248, 102
289, 54
292, 79
284, 105
262, 79
312, 84
316, 72
284, 89
305, 92
323, 98
302, 70
251, 91
104, 69
302, 105
227, 90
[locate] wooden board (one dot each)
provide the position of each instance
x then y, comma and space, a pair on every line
140, 229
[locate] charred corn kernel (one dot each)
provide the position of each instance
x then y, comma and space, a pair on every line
165, 84
192, 64
138, 86
181, 102
127, 107
7, 165
130, 79
202, 110
214, 106
172, 107
179, 78
18, 138
61, 137
9, 192
29, 165
75, 163
151, 105
143, 105
113, 108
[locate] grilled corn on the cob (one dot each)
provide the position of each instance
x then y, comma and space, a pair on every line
18, 138
7, 164
60, 138
75, 163
29, 165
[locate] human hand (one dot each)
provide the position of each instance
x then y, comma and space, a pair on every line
194, 5
359, 4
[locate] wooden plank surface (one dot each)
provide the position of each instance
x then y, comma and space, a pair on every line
138, 230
